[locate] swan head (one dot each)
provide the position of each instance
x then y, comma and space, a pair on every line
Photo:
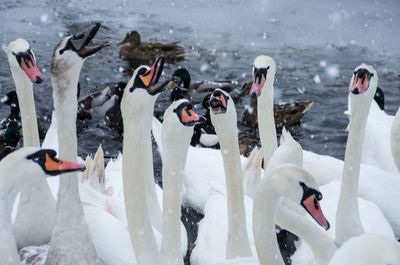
263, 73
22, 60
297, 184
364, 81
73, 50
34, 164
183, 113
219, 102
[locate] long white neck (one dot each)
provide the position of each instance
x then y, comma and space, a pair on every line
395, 140
322, 246
37, 196
135, 171
175, 140
24, 89
226, 127
264, 208
266, 120
348, 222
71, 233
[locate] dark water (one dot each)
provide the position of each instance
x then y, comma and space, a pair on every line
222, 47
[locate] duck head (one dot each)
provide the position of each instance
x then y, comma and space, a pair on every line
73, 50
22, 60
263, 74
297, 184
132, 37
13, 133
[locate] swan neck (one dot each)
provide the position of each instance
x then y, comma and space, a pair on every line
265, 205
348, 222
266, 120
395, 140
135, 170
322, 246
175, 141
24, 89
238, 241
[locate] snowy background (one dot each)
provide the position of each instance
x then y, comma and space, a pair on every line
316, 45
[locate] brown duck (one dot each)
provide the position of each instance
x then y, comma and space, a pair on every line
133, 49
286, 114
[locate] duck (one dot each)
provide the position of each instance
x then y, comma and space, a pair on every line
11, 99
71, 231
9, 139
197, 92
103, 104
20, 169
177, 129
133, 49
37, 208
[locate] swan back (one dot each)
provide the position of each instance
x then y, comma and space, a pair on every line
368, 249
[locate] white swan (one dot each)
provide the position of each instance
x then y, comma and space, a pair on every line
368, 249
18, 170
137, 111
215, 241
298, 186
70, 234
177, 131
395, 140
261, 69
37, 208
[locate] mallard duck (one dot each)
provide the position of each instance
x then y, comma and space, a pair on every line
10, 99
196, 92
9, 138
103, 103
133, 49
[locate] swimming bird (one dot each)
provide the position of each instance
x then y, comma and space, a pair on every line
70, 234
9, 138
20, 169
133, 49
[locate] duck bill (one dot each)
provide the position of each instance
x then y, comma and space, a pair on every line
312, 206
81, 40
361, 81
55, 166
151, 77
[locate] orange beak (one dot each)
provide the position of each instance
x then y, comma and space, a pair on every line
311, 204
31, 70
56, 166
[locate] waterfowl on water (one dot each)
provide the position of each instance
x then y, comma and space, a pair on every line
132, 48
9, 138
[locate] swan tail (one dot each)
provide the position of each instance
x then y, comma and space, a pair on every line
252, 172
286, 137
94, 173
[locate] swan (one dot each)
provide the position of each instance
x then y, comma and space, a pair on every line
368, 249
261, 69
395, 140
220, 211
295, 184
18, 170
177, 130
36, 214
70, 234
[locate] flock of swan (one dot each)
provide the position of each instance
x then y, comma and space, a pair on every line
119, 216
